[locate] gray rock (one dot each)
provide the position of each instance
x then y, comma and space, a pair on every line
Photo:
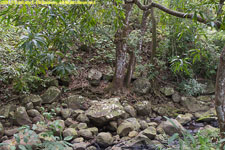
35, 99
143, 124
141, 86
85, 133
50, 95
91, 148
105, 111
70, 132
11, 132
206, 116
66, 113
176, 97
21, 116
29, 106
205, 98
80, 146
94, 77
193, 105
83, 118
143, 108
77, 102
93, 130
130, 110
167, 91
150, 132
124, 128
113, 125
169, 128
59, 126
184, 119
132, 134
104, 139
5, 110
82, 126
70, 121
78, 140
2, 130
134, 122
33, 113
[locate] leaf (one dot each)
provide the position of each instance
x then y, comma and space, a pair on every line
172, 138
21, 147
68, 138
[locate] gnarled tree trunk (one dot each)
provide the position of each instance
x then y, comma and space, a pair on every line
220, 95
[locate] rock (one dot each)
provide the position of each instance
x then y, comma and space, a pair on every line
194, 105
153, 124
105, 111
93, 130
33, 113
124, 129
150, 132
77, 102
206, 116
29, 106
169, 128
204, 98
38, 119
104, 139
31, 136
138, 141
141, 86
50, 95
2, 130
83, 118
70, 132
11, 132
82, 126
113, 125
40, 127
91, 148
143, 108
35, 99
143, 124
58, 125
80, 146
184, 119
132, 134
5, 110
21, 116
167, 91
208, 130
134, 122
94, 77
52, 82
78, 140
85, 133
130, 110
176, 97
70, 121
66, 113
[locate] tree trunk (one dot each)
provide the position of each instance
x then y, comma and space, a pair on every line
153, 35
130, 69
121, 51
220, 96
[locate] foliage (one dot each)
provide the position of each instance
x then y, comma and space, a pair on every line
191, 87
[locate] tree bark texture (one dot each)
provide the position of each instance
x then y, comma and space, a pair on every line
154, 34
220, 95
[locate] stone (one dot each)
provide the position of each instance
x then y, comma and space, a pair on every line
33, 113
150, 132
93, 130
59, 126
193, 105
70, 121
5, 110
206, 116
80, 146
208, 130
124, 128
130, 110
70, 132
91, 148
29, 106
113, 125
169, 128
134, 122
31, 136
184, 119
143, 108
132, 134
11, 132
143, 124
2, 130
21, 116
66, 113
77, 102
105, 111
141, 86
83, 118
204, 98
176, 97
82, 126
78, 140
35, 99
94, 77
167, 91
85, 133
50, 95
104, 139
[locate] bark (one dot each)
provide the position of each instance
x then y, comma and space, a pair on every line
153, 35
121, 50
220, 95
130, 69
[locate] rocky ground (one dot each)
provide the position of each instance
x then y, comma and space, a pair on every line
111, 123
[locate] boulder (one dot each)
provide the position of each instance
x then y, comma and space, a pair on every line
80, 146
77, 102
50, 95
21, 117
35, 99
83, 118
143, 124
143, 108
132, 134
104, 139
169, 127
167, 91
105, 111
85, 133
150, 132
58, 126
130, 110
184, 119
82, 126
176, 97
93, 130
193, 105
206, 116
33, 113
204, 98
94, 77
2, 130
5, 110
66, 113
124, 128
141, 86
70, 132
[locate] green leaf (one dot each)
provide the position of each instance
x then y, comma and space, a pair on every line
68, 138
